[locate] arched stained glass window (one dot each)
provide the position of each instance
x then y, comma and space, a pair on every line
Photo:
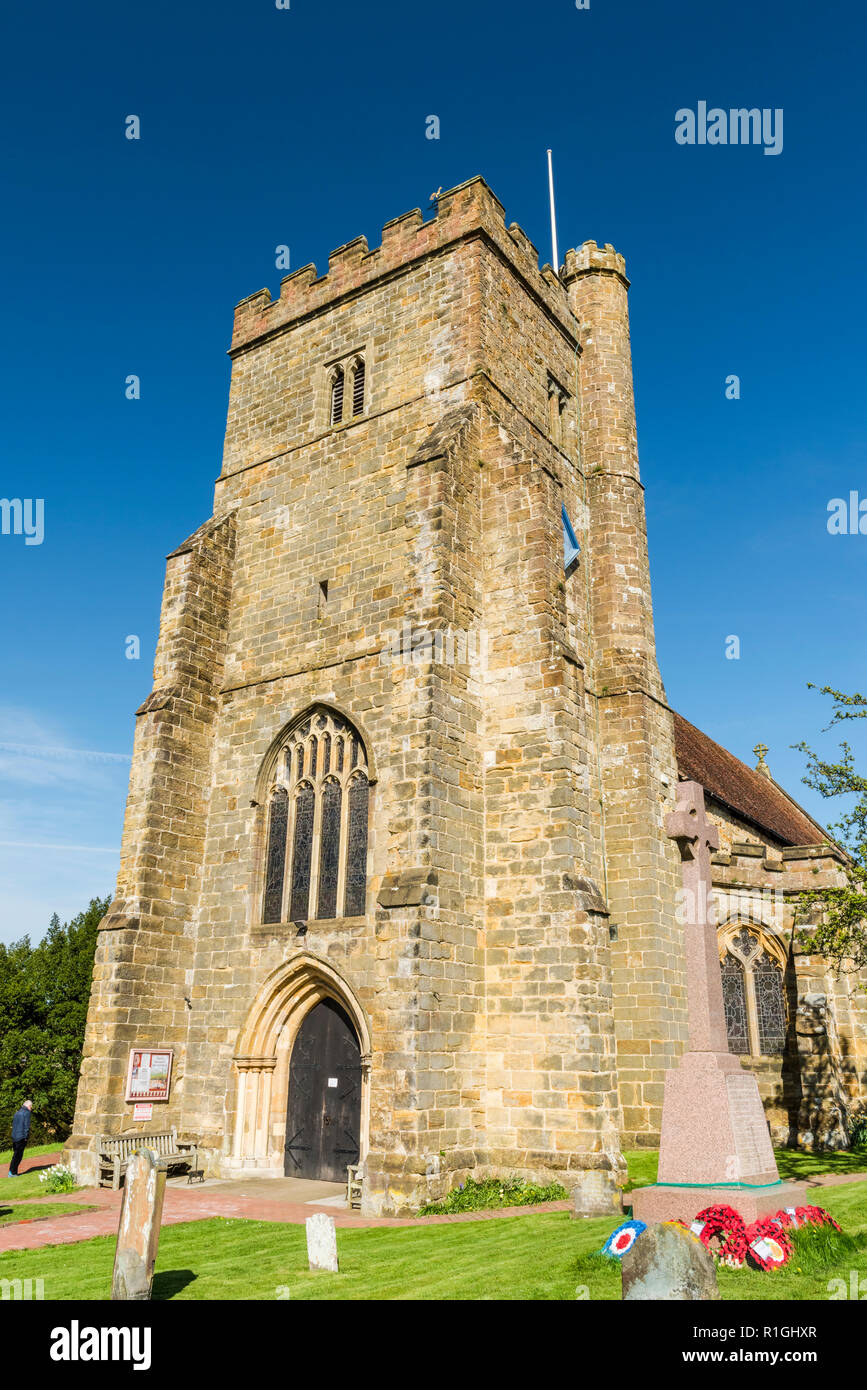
752, 964
316, 856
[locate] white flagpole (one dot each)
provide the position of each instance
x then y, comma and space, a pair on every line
554, 250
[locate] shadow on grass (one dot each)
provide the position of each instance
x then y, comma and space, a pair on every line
792, 1164
799, 1164
170, 1282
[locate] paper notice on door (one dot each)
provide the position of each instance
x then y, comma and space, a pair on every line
332, 1080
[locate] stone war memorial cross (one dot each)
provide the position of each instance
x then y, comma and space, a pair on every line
138, 1233
715, 1145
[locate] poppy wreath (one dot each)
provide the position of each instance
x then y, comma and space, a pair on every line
769, 1243
815, 1216
725, 1226
787, 1218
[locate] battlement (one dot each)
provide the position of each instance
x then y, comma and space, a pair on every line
745, 856
591, 259
469, 209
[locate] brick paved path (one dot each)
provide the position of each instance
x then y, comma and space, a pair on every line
37, 1161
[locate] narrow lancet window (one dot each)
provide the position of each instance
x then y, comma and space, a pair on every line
276, 859
356, 858
302, 852
329, 856
735, 1002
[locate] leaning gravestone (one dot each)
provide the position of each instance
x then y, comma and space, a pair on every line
668, 1264
322, 1242
138, 1234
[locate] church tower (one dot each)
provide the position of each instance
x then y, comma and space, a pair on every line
394, 889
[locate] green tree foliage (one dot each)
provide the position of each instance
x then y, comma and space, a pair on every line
840, 913
44, 992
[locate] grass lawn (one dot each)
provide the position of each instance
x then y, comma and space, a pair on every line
25, 1185
791, 1164
37, 1211
540, 1257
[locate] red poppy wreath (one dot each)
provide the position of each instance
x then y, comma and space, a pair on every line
721, 1230
769, 1243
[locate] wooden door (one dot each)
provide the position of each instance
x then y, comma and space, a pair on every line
323, 1115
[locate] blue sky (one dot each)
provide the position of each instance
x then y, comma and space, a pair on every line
306, 126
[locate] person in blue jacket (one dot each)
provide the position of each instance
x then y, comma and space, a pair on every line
20, 1135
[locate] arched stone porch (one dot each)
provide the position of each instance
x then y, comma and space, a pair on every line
263, 1054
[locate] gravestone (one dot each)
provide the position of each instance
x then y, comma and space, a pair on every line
138, 1233
322, 1242
668, 1264
715, 1144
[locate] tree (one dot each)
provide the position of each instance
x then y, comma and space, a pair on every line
840, 932
44, 993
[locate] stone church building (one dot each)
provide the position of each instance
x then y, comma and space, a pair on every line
395, 889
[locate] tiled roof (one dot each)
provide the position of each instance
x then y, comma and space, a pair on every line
748, 793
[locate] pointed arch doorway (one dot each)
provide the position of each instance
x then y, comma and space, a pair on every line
335, 1045
323, 1112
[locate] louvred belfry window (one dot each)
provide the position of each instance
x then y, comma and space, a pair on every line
338, 383
358, 387
316, 855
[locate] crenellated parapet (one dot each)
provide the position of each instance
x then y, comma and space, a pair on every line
468, 210
590, 259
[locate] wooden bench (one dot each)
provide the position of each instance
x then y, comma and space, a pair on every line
116, 1150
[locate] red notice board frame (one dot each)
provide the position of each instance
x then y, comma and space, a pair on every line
149, 1074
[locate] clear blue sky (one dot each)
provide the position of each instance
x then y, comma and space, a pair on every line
306, 126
